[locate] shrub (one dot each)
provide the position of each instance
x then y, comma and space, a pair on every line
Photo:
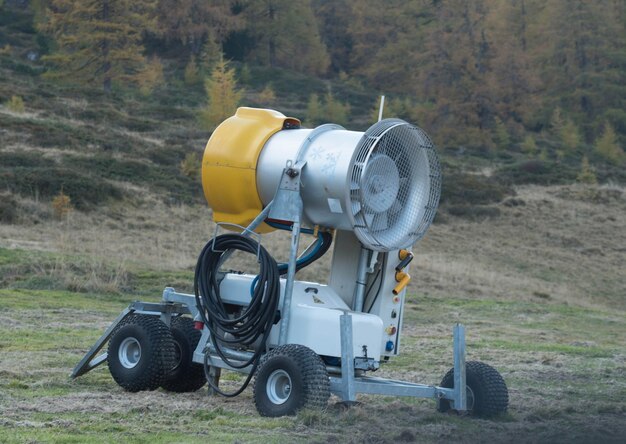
190, 166
86, 190
535, 171
474, 213
16, 104
61, 205
8, 209
472, 189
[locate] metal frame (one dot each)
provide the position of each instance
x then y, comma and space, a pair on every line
287, 205
348, 384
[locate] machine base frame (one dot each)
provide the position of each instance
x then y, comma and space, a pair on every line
346, 386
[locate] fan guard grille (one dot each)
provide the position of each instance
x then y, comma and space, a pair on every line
395, 184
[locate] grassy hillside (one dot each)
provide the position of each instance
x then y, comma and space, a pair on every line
544, 306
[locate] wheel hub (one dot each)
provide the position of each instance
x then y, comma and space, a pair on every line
278, 387
178, 355
129, 352
469, 397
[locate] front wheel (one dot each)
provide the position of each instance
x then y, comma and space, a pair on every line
487, 394
289, 378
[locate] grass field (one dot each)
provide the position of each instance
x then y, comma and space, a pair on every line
540, 289
564, 367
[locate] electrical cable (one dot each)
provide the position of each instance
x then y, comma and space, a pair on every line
255, 321
380, 284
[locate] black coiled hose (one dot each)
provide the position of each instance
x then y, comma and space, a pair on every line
257, 318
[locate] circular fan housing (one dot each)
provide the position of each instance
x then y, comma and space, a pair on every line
382, 184
395, 184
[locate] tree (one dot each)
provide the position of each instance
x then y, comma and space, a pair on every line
580, 57
191, 74
195, 22
267, 96
529, 146
608, 147
150, 76
513, 79
334, 18
286, 35
502, 134
336, 111
586, 174
98, 41
223, 96
570, 136
313, 110
556, 122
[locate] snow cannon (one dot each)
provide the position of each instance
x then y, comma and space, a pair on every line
382, 184
371, 196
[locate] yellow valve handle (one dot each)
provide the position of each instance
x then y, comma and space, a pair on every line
405, 257
403, 280
403, 254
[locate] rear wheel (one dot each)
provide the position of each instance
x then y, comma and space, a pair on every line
185, 375
487, 394
140, 353
289, 378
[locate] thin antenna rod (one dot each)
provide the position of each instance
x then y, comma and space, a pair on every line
382, 106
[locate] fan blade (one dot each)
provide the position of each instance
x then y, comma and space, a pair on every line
354, 186
369, 218
380, 222
356, 207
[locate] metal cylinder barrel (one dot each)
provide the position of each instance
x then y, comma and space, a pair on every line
328, 152
383, 184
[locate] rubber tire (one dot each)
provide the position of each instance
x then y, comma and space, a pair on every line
491, 396
186, 376
310, 386
157, 353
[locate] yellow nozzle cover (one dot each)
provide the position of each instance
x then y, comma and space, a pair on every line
229, 164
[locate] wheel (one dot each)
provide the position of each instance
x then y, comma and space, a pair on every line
141, 353
487, 394
289, 378
186, 375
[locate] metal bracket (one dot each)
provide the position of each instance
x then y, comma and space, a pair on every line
348, 385
88, 362
287, 203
